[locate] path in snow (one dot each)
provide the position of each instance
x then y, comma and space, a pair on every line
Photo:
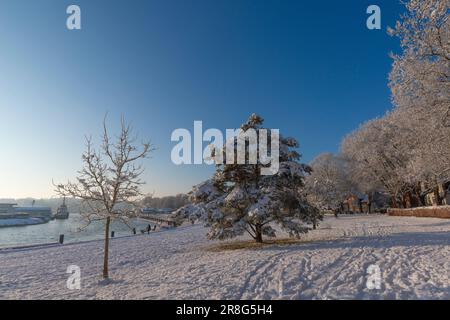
413, 255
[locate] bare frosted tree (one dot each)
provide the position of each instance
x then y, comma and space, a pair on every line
329, 183
109, 183
380, 153
420, 83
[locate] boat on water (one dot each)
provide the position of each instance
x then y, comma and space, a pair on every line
11, 215
62, 212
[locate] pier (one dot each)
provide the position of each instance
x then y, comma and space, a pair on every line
159, 219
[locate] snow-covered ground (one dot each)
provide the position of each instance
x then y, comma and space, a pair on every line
413, 255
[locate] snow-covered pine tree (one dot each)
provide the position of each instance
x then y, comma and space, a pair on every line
238, 199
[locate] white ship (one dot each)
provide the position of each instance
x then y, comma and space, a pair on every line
11, 215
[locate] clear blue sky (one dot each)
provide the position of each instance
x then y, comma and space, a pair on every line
312, 69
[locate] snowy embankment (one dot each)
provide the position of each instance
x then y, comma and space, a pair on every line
413, 255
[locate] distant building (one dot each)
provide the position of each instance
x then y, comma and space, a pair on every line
11, 210
443, 192
362, 203
353, 204
7, 208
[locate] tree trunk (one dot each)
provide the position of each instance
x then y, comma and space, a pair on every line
437, 196
409, 199
106, 253
423, 199
394, 201
258, 234
405, 200
419, 198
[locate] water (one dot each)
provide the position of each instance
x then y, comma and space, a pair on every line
49, 232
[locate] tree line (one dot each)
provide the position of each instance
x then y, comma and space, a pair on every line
406, 152
172, 202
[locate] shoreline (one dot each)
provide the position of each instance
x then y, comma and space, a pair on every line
29, 247
24, 233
